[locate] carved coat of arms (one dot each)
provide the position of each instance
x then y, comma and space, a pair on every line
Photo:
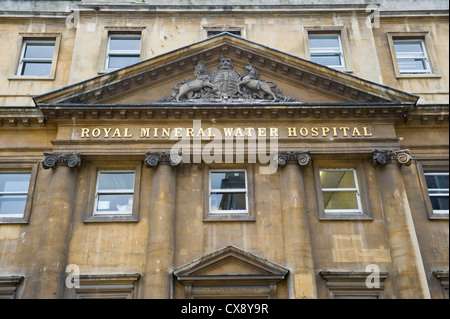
226, 84
226, 79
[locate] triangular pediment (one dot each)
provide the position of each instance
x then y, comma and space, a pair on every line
157, 81
230, 262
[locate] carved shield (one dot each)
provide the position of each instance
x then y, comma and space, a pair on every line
226, 82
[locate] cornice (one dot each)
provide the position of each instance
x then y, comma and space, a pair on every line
386, 111
430, 114
21, 116
404, 114
218, 8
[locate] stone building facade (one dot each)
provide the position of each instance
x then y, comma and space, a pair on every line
253, 149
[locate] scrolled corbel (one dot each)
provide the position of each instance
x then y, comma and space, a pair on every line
381, 157
402, 157
302, 158
153, 159
51, 160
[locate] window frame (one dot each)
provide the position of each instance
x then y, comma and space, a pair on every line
23, 60
437, 211
425, 58
119, 31
104, 286
20, 169
359, 167
91, 203
342, 33
355, 189
110, 52
228, 191
212, 31
351, 284
17, 193
112, 191
11, 286
430, 167
24, 38
429, 52
208, 216
339, 52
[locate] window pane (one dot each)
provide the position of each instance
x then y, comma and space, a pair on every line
437, 181
121, 61
321, 42
337, 179
437, 184
412, 65
329, 60
125, 43
12, 204
440, 203
39, 50
14, 182
410, 47
325, 49
120, 203
36, 68
116, 181
228, 201
228, 180
340, 200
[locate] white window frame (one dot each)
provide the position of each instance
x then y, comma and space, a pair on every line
412, 56
358, 211
235, 190
328, 51
110, 53
438, 211
26, 192
113, 191
23, 60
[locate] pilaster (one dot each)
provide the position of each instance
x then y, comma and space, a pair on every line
409, 273
161, 237
51, 258
297, 241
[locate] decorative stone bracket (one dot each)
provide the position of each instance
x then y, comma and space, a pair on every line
51, 160
302, 158
153, 159
402, 157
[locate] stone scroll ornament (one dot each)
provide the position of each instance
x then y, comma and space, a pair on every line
402, 157
51, 160
153, 159
302, 158
226, 85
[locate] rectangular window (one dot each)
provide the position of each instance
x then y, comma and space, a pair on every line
114, 194
123, 50
412, 56
36, 58
437, 183
228, 192
340, 191
326, 49
13, 194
